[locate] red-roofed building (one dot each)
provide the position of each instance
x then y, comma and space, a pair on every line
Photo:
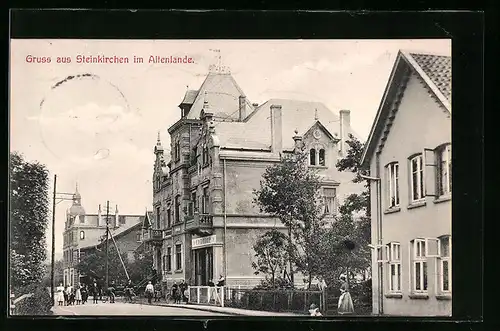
408, 154
204, 222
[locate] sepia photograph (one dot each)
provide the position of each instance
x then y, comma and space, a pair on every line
249, 177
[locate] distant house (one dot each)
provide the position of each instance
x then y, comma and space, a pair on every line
205, 221
84, 232
408, 154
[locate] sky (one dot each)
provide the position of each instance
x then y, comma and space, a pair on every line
99, 128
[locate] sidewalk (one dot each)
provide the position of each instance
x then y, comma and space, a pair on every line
222, 310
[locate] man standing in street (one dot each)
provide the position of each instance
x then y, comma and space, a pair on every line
322, 287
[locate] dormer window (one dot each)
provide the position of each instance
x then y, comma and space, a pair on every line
317, 156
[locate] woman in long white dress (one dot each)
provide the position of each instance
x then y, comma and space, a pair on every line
345, 305
78, 294
60, 295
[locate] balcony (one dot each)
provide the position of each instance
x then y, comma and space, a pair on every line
153, 236
200, 224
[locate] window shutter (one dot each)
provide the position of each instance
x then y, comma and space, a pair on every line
432, 247
430, 172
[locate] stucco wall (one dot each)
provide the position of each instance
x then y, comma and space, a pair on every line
419, 123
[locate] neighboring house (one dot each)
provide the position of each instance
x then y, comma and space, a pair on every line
204, 221
409, 157
83, 232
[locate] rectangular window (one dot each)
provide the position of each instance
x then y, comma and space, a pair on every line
194, 201
330, 197
419, 266
177, 209
417, 178
205, 201
205, 154
178, 257
445, 263
169, 218
394, 267
121, 219
158, 216
444, 171
392, 173
138, 236
169, 259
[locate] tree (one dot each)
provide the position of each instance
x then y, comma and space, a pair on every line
289, 191
140, 267
28, 220
271, 252
352, 225
93, 265
58, 273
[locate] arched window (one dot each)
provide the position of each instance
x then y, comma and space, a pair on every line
322, 157
82, 235
312, 156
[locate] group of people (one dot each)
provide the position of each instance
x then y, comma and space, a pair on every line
69, 295
344, 306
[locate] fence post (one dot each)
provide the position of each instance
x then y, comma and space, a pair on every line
222, 289
305, 300
289, 297
274, 301
197, 294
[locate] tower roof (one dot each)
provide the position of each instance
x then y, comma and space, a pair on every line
77, 208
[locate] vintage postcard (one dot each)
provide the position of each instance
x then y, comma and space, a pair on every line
230, 177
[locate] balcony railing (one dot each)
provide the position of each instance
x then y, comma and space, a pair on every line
153, 235
200, 221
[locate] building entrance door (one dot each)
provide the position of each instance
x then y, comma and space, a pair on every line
203, 266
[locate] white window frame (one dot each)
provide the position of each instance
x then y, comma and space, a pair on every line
419, 257
394, 261
420, 178
330, 202
444, 156
441, 261
382, 253
392, 173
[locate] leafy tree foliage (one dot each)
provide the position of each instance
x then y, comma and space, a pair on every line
345, 245
93, 265
28, 220
271, 252
289, 190
140, 267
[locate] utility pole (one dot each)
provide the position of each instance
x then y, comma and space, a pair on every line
107, 252
53, 250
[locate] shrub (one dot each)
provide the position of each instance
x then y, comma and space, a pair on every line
40, 303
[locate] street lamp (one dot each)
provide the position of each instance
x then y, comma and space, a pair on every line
57, 198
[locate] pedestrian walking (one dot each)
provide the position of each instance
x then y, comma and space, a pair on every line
314, 310
78, 294
65, 295
182, 290
345, 305
149, 291
95, 292
60, 294
157, 292
175, 292
85, 293
111, 292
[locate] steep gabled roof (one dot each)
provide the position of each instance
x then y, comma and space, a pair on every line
223, 95
117, 233
434, 70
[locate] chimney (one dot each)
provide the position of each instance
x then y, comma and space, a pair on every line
276, 129
243, 107
345, 129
